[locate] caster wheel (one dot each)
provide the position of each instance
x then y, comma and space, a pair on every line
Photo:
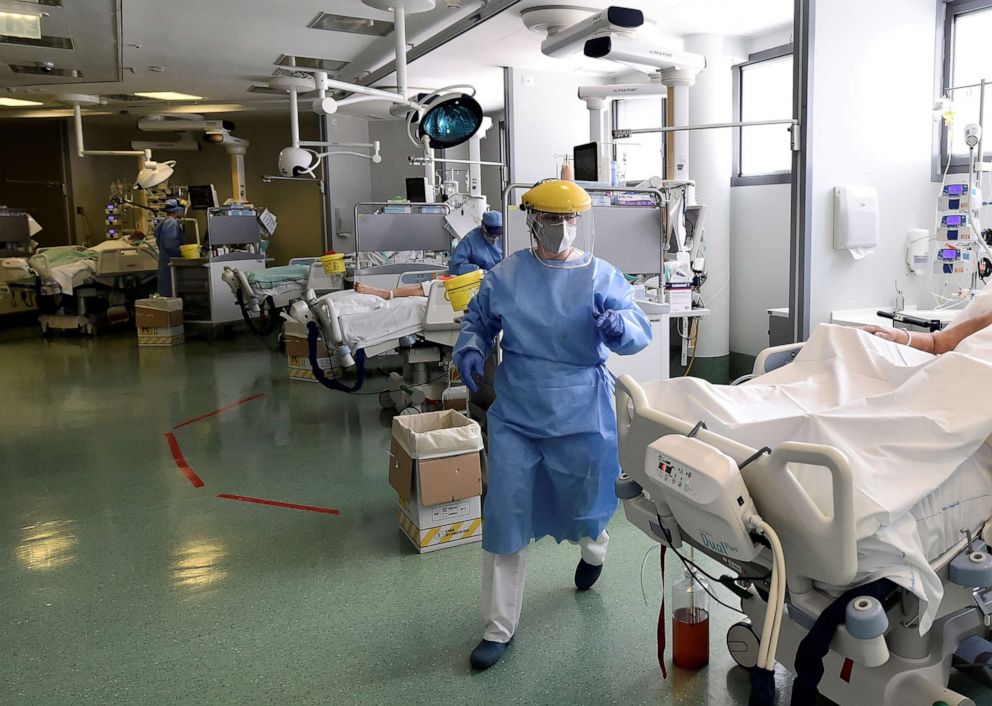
386, 400
743, 644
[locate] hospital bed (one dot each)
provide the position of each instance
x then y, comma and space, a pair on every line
76, 286
422, 330
688, 487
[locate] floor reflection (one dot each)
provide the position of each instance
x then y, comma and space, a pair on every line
48, 545
198, 565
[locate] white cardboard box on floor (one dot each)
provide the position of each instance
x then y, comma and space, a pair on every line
161, 337
439, 501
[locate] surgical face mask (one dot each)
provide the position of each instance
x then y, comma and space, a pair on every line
555, 237
491, 238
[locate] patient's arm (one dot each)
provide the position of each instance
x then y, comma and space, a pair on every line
409, 290
937, 342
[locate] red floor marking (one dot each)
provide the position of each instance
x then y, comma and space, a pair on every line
276, 503
177, 454
218, 411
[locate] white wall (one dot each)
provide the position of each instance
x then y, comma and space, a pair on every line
759, 256
389, 176
769, 40
710, 166
350, 180
547, 119
873, 65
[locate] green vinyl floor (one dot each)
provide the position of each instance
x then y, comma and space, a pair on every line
123, 583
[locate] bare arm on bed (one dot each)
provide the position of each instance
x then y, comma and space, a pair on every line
409, 290
938, 342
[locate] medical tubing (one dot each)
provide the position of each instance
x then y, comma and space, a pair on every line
270, 321
693, 568
318, 372
776, 598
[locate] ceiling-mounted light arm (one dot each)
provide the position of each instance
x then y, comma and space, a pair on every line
294, 117
336, 85
399, 34
146, 155
298, 161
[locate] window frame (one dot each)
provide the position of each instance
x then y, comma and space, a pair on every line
952, 10
736, 178
615, 123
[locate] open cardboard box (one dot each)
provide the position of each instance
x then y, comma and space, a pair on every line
435, 467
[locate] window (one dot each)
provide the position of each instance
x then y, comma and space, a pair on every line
763, 91
639, 157
967, 27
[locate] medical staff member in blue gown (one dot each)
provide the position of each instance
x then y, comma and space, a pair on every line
169, 235
481, 248
552, 427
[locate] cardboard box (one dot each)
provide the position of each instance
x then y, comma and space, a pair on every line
160, 303
299, 368
435, 467
300, 348
161, 337
467, 529
146, 318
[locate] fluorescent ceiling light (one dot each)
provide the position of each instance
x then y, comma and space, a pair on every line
17, 102
169, 96
16, 24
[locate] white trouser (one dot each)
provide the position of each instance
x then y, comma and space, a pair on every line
503, 585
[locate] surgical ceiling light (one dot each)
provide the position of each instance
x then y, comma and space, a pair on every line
17, 102
17, 24
450, 121
154, 174
169, 96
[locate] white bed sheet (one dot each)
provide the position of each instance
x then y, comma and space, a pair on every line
912, 425
292, 289
390, 319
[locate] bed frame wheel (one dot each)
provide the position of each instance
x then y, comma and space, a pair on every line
743, 644
386, 400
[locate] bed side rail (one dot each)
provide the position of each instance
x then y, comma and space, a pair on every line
817, 547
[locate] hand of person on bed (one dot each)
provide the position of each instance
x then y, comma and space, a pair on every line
895, 335
363, 288
470, 366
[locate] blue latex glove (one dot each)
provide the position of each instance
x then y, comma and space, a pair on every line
610, 324
470, 365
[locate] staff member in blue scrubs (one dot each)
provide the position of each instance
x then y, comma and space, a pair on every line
552, 427
169, 235
482, 248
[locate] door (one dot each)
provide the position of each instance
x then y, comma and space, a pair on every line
34, 175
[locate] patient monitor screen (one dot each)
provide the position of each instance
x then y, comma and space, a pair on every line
586, 162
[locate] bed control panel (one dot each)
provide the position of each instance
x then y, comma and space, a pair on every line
706, 493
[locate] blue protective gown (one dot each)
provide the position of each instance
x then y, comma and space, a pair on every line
552, 428
475, 251
169, 235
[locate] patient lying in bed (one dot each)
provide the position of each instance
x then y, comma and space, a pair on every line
915, 427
